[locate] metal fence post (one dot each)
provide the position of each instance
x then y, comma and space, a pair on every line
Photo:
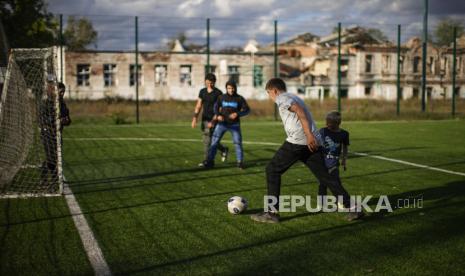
398, 71
208, 45
454, 70
339, 67
276, 65
137, 67
425, 41
61, 47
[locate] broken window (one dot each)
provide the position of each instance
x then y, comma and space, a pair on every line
368, 60
344, 68
109, 71
257, 75
368, 90
185, 77
444, 64
458, 64
401, 63
416, 63
344, 93
233, 72
161, 74
132, 74
210, 69
83, 74
431, 64
386, 62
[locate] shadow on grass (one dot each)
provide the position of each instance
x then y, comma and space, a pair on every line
285, 258
249, 165
441, 193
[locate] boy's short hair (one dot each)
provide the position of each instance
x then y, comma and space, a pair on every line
233, 84
211, 77
334, 116
276, 83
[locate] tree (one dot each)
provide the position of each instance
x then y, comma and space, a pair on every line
79, 33
444, 31
27, 23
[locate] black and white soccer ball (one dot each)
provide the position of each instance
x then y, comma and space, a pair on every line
237, 205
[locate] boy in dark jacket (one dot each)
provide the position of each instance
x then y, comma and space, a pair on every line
228, 110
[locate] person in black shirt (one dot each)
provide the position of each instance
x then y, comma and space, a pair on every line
207, 99
228, 110
48, 131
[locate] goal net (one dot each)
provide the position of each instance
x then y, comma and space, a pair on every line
30, 138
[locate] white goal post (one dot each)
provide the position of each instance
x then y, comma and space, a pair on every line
30, 135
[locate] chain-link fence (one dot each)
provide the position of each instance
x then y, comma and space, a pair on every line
143, 68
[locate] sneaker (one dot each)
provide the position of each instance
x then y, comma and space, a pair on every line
240, 165
266, 217
207, 165
202, 164
224, 155
355, 215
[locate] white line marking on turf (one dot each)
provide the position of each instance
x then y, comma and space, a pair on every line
268, 144
408, 163
94, 253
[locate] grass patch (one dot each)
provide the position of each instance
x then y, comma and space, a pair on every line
177, 111
154, 212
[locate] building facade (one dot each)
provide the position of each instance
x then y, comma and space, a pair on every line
309, 65
162, 75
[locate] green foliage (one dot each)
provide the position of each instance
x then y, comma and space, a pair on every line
444, 31
28, 24
79, 33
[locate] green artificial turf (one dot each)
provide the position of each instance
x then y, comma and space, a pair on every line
154, 212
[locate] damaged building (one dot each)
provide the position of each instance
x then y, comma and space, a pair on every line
369, 68
308, 63
178, 74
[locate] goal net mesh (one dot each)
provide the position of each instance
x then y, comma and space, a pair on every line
30, 138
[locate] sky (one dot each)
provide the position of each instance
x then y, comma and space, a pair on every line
234, 22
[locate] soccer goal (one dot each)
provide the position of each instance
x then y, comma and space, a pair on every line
30, 136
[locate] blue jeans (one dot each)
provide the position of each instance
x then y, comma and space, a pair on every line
220, 130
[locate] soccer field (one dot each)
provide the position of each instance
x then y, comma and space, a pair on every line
153, 211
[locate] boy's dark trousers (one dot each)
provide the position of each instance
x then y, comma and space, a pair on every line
334, 172
290, 153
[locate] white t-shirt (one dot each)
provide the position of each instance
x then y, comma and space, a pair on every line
292, 125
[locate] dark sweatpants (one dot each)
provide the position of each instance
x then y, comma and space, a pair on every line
287, 155
207, 134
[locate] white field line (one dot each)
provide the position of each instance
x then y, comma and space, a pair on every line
408, 163
93, 251
264, 143
247, 123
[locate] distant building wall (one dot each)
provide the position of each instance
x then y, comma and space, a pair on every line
87, 74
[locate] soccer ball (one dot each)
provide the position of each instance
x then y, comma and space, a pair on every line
237, 204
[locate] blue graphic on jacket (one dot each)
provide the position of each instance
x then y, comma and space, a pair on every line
331, 151
230, 104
